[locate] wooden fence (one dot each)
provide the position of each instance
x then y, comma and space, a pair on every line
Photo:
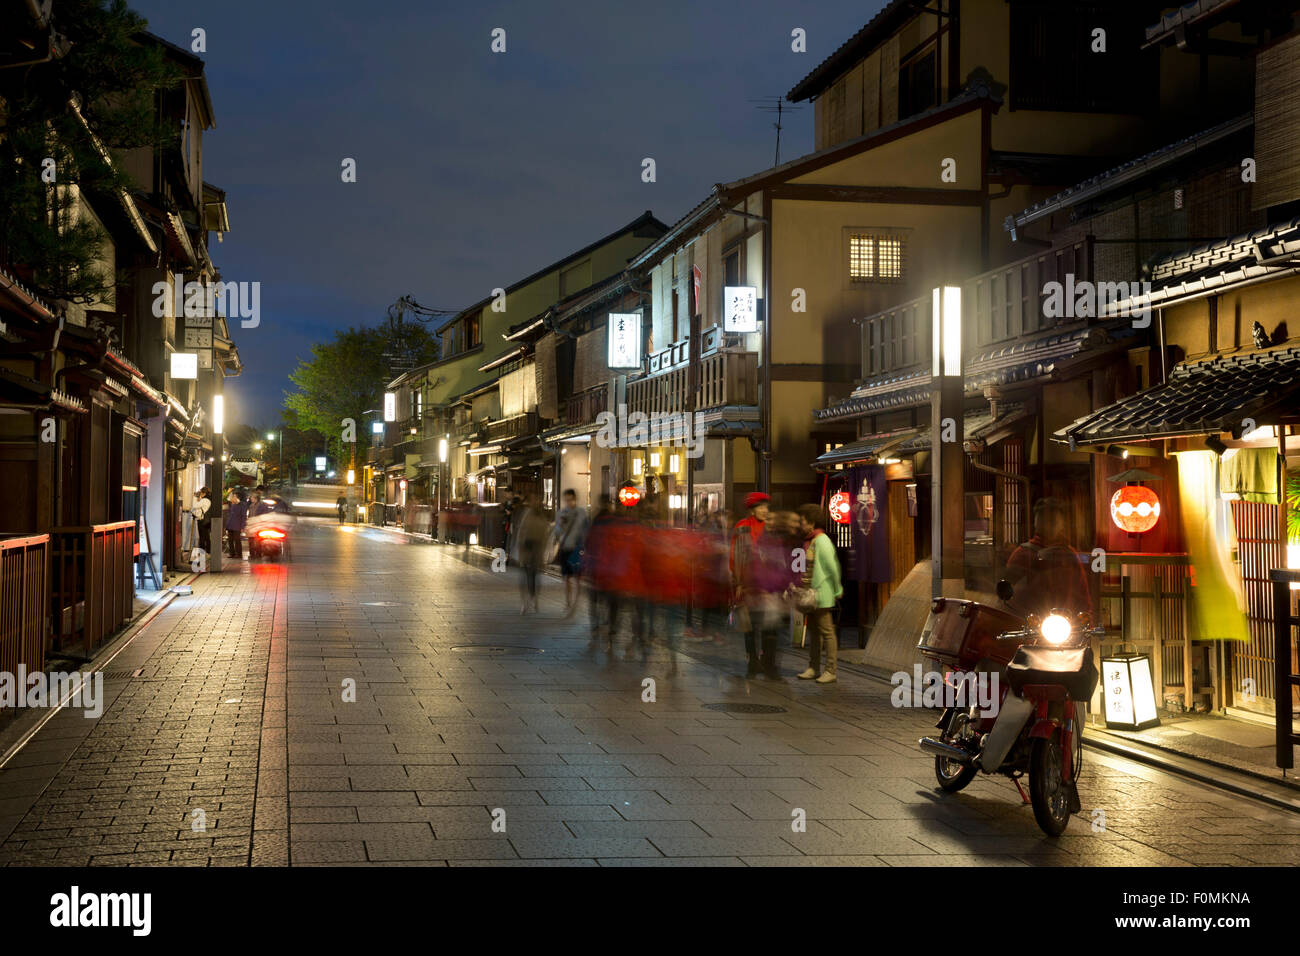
93, 587
24, 575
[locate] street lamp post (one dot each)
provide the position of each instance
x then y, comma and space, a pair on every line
947, 486
279, 471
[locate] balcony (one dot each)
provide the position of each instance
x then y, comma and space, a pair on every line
582, 408
508, 429
1000, 306
466, 431
725, 378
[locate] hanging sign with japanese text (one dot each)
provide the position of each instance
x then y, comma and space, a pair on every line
740, 309
624, 340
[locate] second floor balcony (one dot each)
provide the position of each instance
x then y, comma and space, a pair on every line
725, 378
583, 407
508, 429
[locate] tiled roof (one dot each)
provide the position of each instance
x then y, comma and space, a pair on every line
1200, 398
1186, 14
1271, 251
847, 53
907, 441
1127, 172
865, 448
1014, 362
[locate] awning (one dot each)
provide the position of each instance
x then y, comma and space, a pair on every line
870, 448
1200, 398
979, 425
23, 390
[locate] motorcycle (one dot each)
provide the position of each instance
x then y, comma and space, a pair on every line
269, 529
1045, 674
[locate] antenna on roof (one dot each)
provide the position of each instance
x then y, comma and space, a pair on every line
775, 104
399, 351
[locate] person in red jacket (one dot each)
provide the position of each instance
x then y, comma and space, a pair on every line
1046, 571
744, 539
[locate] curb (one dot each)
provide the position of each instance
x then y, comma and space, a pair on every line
1187, 767
1170, 761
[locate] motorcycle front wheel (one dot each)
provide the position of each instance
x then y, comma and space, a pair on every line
1048, 792
952, 776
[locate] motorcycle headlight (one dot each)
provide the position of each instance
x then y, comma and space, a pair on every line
1055, 629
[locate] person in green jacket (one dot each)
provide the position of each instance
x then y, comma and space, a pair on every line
823, 576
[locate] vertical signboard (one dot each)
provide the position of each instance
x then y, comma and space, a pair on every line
624, 340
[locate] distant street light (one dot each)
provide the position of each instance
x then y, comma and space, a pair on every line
274, 436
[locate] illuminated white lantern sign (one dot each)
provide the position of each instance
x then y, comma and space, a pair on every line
185, 365
624, 340
1130, 702
390, 406
320, 463
740, 309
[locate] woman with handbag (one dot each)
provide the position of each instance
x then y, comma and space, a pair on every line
822, 579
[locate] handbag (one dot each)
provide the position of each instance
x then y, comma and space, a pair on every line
801, 597
804, 600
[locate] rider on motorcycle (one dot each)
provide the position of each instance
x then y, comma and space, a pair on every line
1046, 572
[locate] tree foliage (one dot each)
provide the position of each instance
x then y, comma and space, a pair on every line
112, 78
345, 378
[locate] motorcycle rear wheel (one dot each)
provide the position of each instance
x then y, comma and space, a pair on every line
1048, 792
953, 776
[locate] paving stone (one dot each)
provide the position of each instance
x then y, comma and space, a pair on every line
587, 773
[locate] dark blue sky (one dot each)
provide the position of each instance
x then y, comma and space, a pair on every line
474, 169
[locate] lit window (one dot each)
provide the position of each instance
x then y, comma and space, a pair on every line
862, 257
875, 258
889, 258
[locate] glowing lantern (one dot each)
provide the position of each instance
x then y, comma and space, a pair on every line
840, 507
629, 496
1135, 509
146, 470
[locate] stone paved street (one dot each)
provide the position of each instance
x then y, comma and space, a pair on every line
241, 720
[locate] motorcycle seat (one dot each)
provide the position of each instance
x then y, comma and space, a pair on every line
1070, 667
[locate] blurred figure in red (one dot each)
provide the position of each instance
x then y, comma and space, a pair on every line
710, 579
768, 573
744, 539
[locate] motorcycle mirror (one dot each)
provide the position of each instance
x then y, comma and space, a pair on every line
1005, 590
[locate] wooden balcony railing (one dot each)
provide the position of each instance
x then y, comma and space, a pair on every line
998, 306
24, 604
93, 590
726, 378
583, 407
510, 428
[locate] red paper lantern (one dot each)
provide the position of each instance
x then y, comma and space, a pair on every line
840, 507
1135, 509
629, 496
146, 470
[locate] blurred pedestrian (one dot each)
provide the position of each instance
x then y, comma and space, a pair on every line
236, 518
766, 578
202, 519
744, 537
824, 578
571, 526
529, 549
600, 565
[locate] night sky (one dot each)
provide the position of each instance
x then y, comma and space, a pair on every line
474, 169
